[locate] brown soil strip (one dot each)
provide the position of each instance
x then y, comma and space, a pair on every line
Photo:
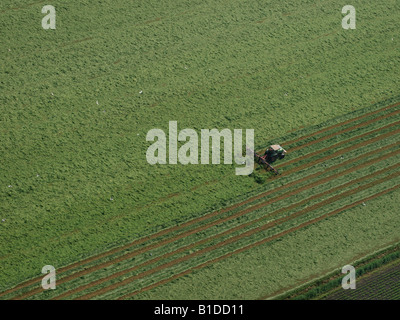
339, 124
239, 214
343, 151
363, 124
198, 229
269, 239
239, 227
188, 223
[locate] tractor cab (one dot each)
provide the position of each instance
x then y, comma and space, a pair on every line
274, 152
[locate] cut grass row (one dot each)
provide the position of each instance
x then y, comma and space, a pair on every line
234, 239
340, 124
384, 170
303, 225
172, 271
292, 260
189, 239
336, 147
364, 124
253, 222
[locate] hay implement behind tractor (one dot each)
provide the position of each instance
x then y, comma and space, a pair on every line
273, 153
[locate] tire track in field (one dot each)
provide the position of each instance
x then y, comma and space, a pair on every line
340, 124
213, 223
340, 151
334, 167
264, 194
232, 239
327, 129
361, 125
193, 221
220, 221
244, 225
258, 243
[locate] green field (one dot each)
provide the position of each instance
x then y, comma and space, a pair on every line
382, 284
75, 183
376, 279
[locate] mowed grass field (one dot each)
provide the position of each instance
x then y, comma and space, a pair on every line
73, 128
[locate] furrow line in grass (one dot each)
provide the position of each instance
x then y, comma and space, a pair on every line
233, 239
336, 145
335, 126
363, 124
202, 218
239, 227
345, 150
209, 225
258, 243
340, 124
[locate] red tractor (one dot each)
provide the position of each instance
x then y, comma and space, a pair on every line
273, 153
